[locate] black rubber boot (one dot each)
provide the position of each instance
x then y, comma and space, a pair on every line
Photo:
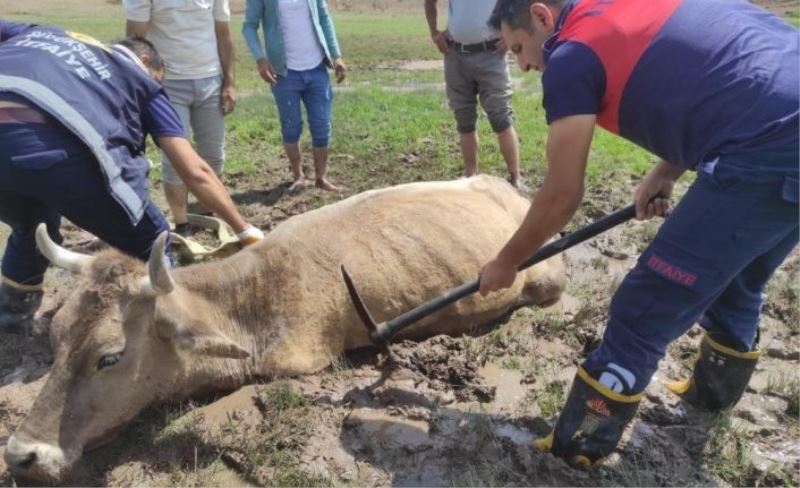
591, 423
720, 375
17, 308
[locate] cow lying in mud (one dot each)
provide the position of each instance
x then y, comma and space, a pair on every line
134, 334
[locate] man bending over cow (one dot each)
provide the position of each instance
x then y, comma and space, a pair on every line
710, 86
74, 115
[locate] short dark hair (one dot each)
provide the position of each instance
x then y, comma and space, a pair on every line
516, 13
140, 45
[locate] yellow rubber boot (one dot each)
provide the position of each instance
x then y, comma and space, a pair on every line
545, 443
591, 423
720, 375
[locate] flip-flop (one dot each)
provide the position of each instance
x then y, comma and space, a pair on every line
189, 250
296, 187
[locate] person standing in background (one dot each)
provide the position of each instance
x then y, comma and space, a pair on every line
299, 44
194, 39
475, 69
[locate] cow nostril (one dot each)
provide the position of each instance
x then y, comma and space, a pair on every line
27, 461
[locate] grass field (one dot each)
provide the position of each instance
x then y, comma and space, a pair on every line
382, 113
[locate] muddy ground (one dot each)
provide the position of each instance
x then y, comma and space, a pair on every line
446, 411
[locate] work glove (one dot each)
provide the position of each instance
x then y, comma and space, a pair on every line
250, 235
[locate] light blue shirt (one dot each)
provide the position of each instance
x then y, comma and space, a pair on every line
264, 13
467, 21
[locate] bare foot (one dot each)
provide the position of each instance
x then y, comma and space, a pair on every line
324, 184
297, 186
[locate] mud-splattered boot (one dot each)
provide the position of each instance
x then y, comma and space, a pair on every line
17, 308
720, 375
591, 423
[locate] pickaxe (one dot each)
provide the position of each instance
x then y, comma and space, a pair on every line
380, 333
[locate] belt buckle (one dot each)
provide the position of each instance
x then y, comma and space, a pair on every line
462, 48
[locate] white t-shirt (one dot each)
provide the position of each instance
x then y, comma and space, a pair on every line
467, 21
183, 33
299, 39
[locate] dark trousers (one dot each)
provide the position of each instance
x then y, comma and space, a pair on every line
709, 262
45, 173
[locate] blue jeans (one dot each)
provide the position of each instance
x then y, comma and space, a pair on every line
313, 87
46, 172
709, 262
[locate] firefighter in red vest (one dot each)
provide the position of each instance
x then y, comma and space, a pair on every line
709, 86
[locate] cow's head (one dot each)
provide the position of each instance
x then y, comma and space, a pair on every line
126, 338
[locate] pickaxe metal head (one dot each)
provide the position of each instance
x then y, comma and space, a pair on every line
380, 333
376, 331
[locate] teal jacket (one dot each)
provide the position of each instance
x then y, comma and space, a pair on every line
265, 13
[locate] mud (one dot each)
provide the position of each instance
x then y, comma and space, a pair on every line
447, 411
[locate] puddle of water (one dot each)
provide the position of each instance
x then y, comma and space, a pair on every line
514, 434
507, 382
586, 263
784, 452
388, 432
761, 410
772, 371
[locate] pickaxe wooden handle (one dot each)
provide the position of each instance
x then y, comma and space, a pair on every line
380, 333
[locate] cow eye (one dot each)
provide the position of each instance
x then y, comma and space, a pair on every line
108, 360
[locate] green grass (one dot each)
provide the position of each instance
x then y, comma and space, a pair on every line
392, 125
729, 453
786, 384
512, 362
269, 452
392, 77
369, 38
551, 399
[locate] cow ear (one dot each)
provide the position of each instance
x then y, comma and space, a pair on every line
197, 339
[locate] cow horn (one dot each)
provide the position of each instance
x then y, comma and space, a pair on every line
159, 281
71, 261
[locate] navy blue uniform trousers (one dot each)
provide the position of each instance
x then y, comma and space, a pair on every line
709, 263
45, 173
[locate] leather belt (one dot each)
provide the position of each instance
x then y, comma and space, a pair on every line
479, 47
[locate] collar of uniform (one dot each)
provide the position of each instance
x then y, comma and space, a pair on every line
130, 55
552, 40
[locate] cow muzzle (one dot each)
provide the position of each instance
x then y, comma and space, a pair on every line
36, 460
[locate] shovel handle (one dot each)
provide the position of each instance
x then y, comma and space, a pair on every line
386, 330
